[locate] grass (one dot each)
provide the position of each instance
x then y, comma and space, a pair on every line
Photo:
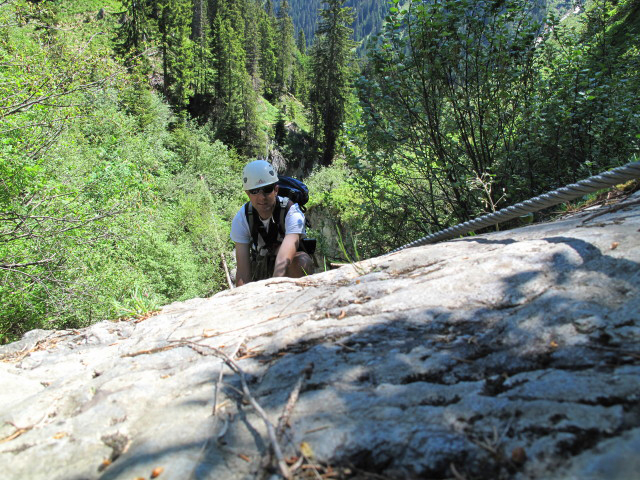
79, 21
138, 305
75, 7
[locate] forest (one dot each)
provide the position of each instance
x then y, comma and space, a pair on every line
125, 126
368, 17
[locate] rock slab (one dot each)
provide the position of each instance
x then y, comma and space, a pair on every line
506, 355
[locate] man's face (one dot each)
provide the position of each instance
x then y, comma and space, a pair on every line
263, 199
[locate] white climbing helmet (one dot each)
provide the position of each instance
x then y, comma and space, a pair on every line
258, 174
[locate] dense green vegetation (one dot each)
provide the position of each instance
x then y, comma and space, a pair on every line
110, 203
125, 126
467, 107
369, 16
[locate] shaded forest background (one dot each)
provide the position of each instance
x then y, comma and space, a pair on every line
125, 126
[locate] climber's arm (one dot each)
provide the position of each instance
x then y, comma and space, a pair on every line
243, 262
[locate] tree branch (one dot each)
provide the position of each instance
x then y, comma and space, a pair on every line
271, 431
10, 266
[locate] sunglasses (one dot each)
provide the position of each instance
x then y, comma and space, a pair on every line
266, 190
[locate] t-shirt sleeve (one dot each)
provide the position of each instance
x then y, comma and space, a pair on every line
240, 228
294, 222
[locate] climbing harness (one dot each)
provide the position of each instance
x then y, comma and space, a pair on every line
570, 192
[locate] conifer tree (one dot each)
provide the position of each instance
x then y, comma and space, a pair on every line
268, 8
267, 55
331, 58
252, 39
135, 30
285, 51
234, 115
300, 77
234, 11
174, 27
302, 42
252, 143
203, 62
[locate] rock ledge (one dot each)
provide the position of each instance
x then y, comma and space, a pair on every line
507, 355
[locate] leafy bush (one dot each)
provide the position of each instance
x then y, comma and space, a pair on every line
471, 106
106, 203
339, 218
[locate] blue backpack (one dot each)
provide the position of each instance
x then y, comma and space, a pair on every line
293, 189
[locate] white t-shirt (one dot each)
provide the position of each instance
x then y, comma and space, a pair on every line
240, 233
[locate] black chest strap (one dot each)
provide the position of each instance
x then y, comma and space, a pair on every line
273, 236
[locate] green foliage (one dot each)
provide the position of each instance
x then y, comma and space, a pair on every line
340, 221
109, 205
232, 86
285, 57
369, 16
159, 238
178, 69
268, 55
470, 106
114, 202
213, 60
133, 37
586, 110
443, 102
292, 136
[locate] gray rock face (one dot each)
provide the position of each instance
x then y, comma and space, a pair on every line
507, 355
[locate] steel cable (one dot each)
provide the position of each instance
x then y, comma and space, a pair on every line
561, 195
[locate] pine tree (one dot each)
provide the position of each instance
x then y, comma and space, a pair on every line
135, 31
234, 115
285, 52
252, 39
268, 8
331, 57
302, 42
200, 34
252, 143
300, 78
267, 55
174, 27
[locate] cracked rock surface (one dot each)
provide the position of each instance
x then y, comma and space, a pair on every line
506, 355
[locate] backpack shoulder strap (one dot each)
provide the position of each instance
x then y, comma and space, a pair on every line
253, 227
285, 205
282, 207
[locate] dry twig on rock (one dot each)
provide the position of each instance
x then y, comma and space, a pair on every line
291, 402
215, 388
271, 431
611, 209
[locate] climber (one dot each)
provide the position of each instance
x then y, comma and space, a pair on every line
268, 229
